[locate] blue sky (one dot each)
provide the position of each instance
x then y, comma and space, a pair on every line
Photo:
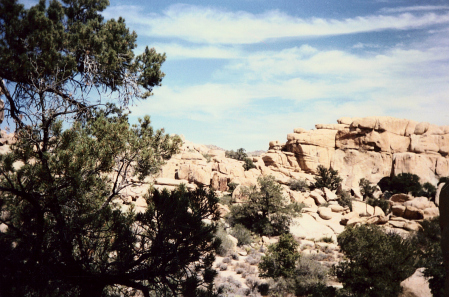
240, 73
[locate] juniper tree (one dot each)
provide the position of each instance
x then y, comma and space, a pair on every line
67, 78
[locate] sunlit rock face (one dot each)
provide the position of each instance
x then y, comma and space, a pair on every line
371, 148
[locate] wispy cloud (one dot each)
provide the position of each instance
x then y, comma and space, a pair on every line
415, 8
179, 51
210, 25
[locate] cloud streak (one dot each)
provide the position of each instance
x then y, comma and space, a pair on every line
200, 24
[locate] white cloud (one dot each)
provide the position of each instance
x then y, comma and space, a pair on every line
178, 51
415, 8
209, 25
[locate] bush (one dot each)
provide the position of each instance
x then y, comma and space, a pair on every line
232, 186
377, 262
298, 185
327, 178
309, 275
242, 234
366, 189
266, 211
428, 240
248, 164
345, 200
281, 258
226, 245
402, 183
383, 204
240, 154
443, 179
428, 190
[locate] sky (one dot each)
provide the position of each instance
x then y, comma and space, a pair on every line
240, 73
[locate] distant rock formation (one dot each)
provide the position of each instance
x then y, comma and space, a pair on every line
371, 148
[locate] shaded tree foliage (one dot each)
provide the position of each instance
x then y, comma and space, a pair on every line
377, 262
266, 211
65, 236
327, 178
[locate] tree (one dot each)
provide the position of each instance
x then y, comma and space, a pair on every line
366, 189
327, 178
377, 262
266, 211
281, 259
249, 164
402, 183
240, 154
58, 186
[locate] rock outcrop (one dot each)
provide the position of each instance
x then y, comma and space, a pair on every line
371, 148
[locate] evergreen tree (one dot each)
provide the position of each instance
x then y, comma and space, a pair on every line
65, 236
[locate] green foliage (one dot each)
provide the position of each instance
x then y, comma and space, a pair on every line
366, 189
232, 186
242, 234
428, 190
266, 211
377, 261
298, 185
327, 178
402, 183
428, 240
310, 277
281, 259
249, 164
240, 154
382, 203
66, 236
443, 179
345, 199
327, 239
226, 244
207, 157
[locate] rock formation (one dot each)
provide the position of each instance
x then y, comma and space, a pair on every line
371, 148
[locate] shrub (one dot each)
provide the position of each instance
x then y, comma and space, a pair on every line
377, 262
240, 154
309, 275
242, 234
345, 200
227, 260
428, 241
327, 239
402, 183
298, 185
327, 178
366, 189
428, 190
248, 164
223, 266
443, 179
266, 211
281, 258
226, 244
232, 186
207, 157
226, 200
383, 204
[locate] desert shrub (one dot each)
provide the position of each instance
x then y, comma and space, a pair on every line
226, 245
226, 200
327, 239
223, 266
207, 157
382, 203
428, 190
240, 154
266, 211
327, 178
298, 185
242, 234
345, 199
281, 258
366, 189
377, 262
253, 259
248, 164
281, 286
402, 183
235, 256
232, 186
226, 260
309, 275
443, 179
239, 270
428, 240
263, 288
